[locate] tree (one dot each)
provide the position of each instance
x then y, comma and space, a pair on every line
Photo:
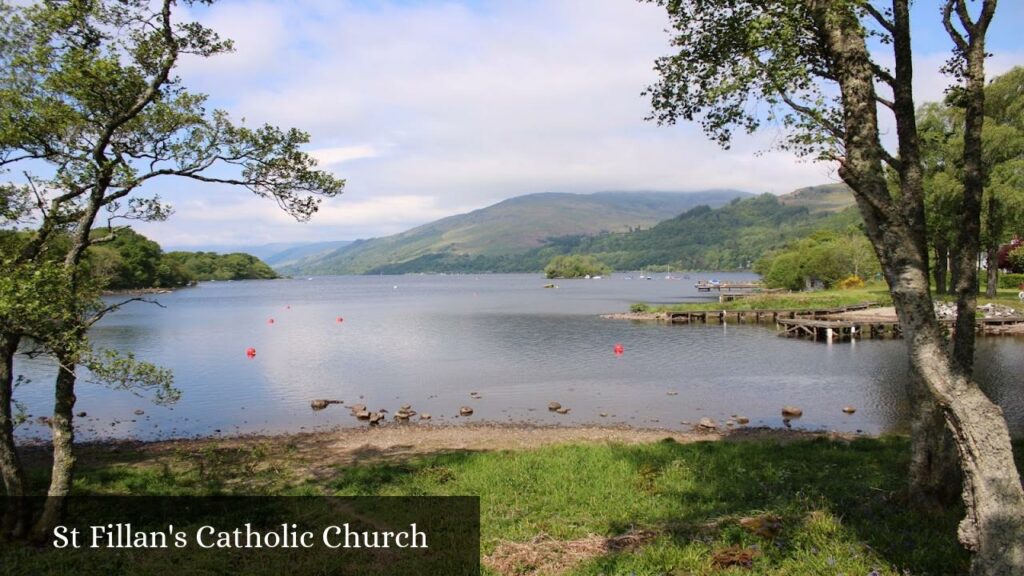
575, 266
809, 61
91, 113
941, 127
823, 256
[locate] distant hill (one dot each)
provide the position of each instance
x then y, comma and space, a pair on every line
824, 198
289, 256
495, 238
274, 252
727, 238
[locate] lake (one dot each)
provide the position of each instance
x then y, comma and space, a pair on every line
430, 340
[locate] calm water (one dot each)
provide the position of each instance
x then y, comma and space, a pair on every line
431, 340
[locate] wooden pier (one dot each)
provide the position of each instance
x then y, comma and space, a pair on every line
758, 316
825, 324
705, 286
837, 330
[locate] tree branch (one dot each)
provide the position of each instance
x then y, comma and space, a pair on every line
880, 18
947, 22
114, 307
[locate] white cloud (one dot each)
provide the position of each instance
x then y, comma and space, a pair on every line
340, 154
451, 106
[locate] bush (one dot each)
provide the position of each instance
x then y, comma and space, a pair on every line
1016, 259
639, 307
1010, 280
851, 282
575, 266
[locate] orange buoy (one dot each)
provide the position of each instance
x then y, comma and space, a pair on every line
619, 349
250, 352
339, 320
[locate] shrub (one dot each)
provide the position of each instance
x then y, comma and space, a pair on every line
1010, 280
851, 282
639, 307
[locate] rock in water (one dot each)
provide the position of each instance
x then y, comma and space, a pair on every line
849, 409
742, 420
554, 406
562, 410
320, 404
707, 425
792, 412
465, 411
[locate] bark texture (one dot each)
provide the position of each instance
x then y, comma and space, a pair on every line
941, 268
62, 474
14, 521
992, 267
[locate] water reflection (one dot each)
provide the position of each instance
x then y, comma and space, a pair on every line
434, 339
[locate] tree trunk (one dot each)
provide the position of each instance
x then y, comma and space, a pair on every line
992, 491
941, 267
954, 269
992, 257
973, 98
14, 521
63, 432
934, 473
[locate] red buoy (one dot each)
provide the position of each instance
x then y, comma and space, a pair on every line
270, 321
250, 352
619, 349
339, 319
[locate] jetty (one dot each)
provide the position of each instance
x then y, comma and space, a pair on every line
759, 316
706, 286
834, 329
863, 320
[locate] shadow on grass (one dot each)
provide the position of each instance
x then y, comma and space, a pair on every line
843, 506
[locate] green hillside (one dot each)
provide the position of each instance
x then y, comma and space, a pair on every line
523, 234
497, 237
703, 238
824, 198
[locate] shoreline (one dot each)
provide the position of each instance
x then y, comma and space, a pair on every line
888, 315
321, 449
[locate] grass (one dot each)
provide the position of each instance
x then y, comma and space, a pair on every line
875, 293
1004, 297
841, 506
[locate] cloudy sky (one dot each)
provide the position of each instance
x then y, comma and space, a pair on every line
431, 108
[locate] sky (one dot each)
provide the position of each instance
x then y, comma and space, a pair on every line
432, 108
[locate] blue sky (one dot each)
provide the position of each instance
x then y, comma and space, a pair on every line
433, 108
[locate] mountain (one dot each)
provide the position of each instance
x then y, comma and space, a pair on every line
293, 254
496, 237
823, 198
726, 238
273, 253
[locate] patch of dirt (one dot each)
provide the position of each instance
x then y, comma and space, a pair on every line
883, 314
734, 556
546, 555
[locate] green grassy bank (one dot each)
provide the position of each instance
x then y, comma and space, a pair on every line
875, 292
812, 506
